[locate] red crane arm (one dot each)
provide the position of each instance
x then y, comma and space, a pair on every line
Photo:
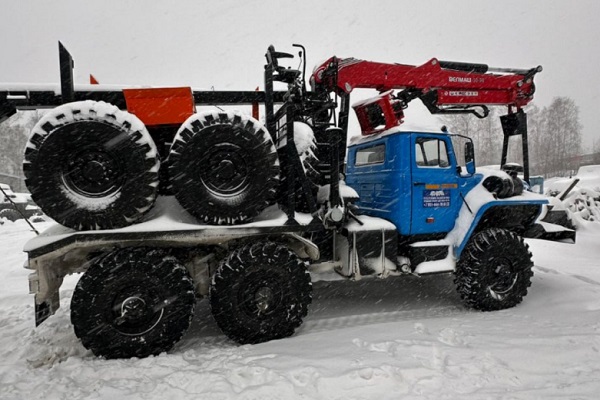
452, 83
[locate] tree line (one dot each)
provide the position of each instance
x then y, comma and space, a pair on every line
554, 132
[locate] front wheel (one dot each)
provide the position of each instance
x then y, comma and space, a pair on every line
133, 303
260, 292
494, 270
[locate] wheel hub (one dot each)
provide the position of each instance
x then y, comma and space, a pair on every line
227, 172
260, 295
505, 278
136, 313
93, 173
264, 299
133, 308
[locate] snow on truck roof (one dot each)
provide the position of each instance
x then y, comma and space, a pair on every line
404, 128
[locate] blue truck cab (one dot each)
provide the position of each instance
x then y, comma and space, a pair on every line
409, 178
414, 180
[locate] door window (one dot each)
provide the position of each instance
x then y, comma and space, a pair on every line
431, 152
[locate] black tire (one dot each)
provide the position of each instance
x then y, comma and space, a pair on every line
494, 270
10, 214
502, 187
224, 168
260, 292
156, 290
89, 165
518, 186
306, 146
301, 202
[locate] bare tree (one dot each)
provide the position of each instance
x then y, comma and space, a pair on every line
486, 134
556, 132
596, 151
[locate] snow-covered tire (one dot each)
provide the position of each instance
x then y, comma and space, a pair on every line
10, 215
494, 270
223, 167
502, 187
306, 145
518, 186
133, 303
260, 292
89, 165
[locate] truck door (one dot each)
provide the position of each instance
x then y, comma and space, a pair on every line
435, 196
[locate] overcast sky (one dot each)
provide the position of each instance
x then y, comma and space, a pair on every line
221, 44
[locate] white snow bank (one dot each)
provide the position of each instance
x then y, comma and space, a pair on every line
583, 201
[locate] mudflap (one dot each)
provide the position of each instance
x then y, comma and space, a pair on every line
42, 312
369, 253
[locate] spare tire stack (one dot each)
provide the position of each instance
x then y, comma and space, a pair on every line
90, 165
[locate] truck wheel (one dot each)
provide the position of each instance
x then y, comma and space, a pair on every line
89, 165
260, 292
10, 214
223, 167
494, 270
132, 303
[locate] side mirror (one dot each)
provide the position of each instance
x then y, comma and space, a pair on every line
470, 157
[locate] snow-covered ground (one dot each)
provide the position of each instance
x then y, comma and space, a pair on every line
402, 337
373, 339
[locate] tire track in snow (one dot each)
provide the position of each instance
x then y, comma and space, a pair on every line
350, 321
556, 272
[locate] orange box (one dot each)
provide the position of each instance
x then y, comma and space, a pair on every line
160, 106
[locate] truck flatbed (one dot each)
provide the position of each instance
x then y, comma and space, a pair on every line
167, 224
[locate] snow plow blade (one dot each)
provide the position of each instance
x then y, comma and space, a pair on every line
549, 231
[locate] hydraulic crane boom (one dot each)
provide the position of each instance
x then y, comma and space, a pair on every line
438, 84
444, 87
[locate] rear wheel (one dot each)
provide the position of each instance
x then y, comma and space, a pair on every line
494, 270
133, 303
89, 165
260, 292
223, 167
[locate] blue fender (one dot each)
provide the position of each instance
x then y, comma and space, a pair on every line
529, 210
